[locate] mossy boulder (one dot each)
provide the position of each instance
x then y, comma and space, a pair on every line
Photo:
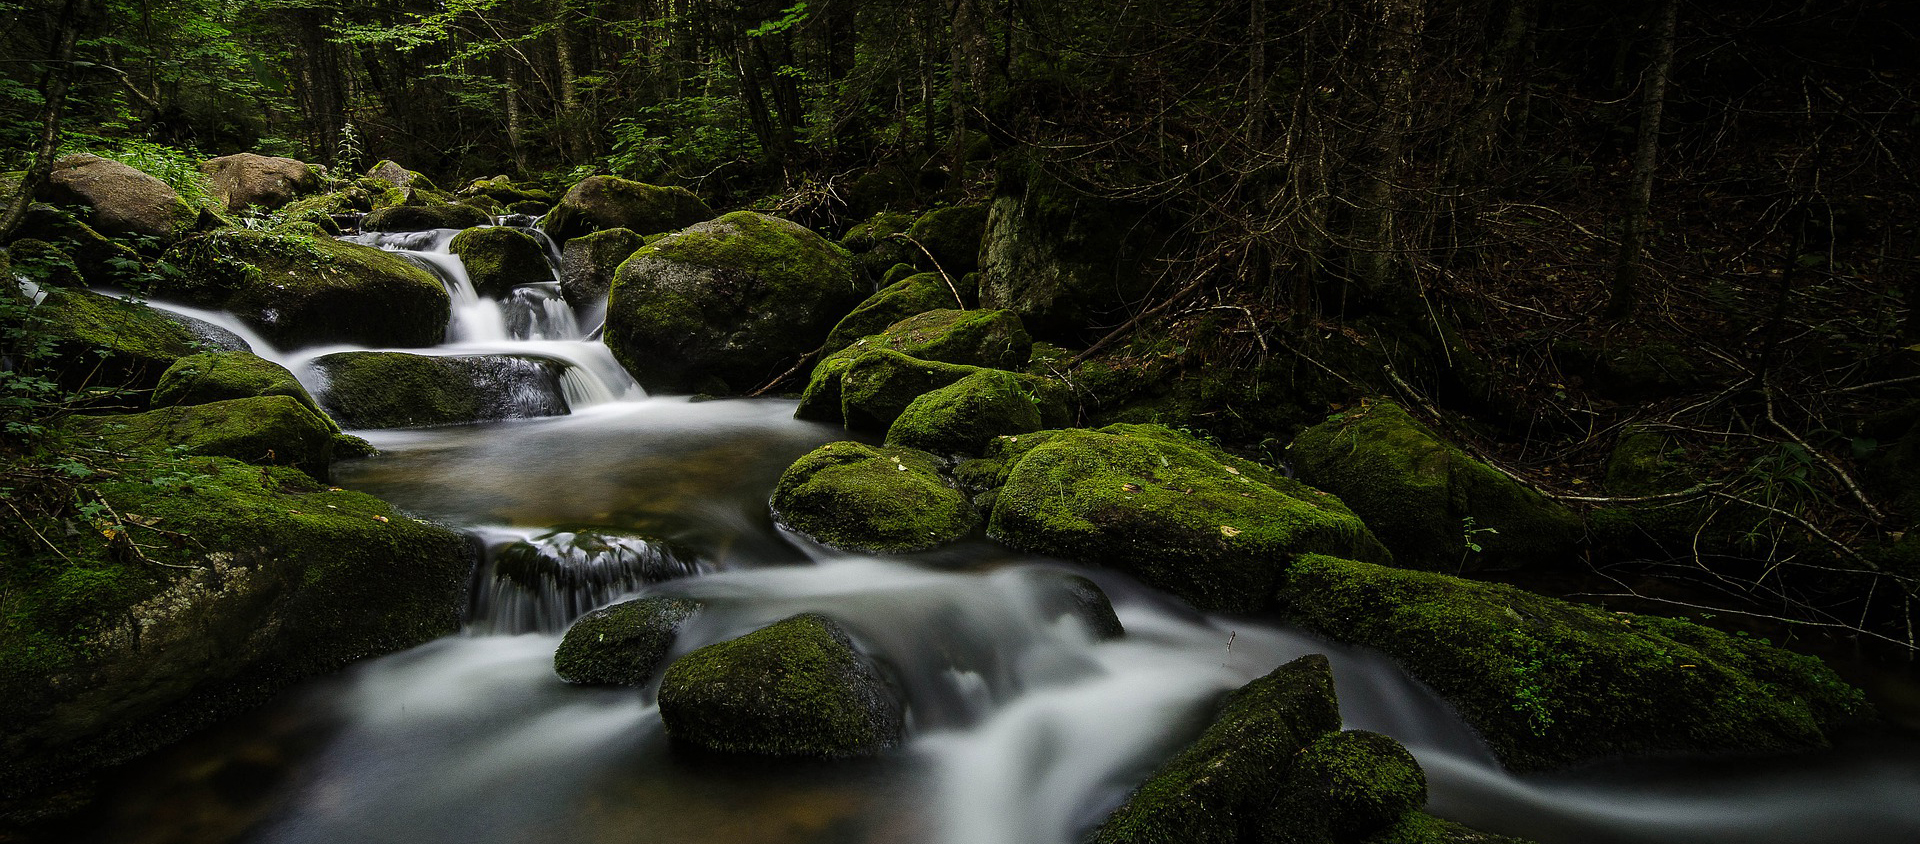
1062, 259
726, 305
1181, 515
607, 202
916, 294
877, 246
419, 218
858, 497
879, 386
263, 430
962, 417
952, 236
1548, 683
1345, 787
391, 173
1219, 788
43, 263
1426, 499
502, 190
498, 259
109, 343
101, 261
122, 200
266, 182
302, 291
950, 343
795, 688
987, 338
218, 585
397, 390
588, 262
621, 645
216, 376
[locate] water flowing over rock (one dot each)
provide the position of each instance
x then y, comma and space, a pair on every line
259, 181
395, 390
123, 200
726, 305
544, 583
795, 688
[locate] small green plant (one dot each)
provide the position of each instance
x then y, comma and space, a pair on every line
1471, 533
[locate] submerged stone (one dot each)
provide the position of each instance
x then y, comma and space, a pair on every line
621, 645
856, 497
1066, 593
795, 688
1426, 499
726, 305
398, 390
1548, 683
1181, 515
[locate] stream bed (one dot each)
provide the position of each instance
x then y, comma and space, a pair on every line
1024, 728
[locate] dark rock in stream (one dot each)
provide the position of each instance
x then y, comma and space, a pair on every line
588, 262
795, 688
621, 645
498, 259
397, 390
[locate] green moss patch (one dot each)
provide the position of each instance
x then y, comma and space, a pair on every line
106, 342
1549, 683
962, 417
914, 294
264, 430
621, 645
1183, 516
795, 688
607, 202
1346, 786
498, 259
860, 498
1426, 499
214, 376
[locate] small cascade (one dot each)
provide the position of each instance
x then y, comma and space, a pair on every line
540, 584
536, 312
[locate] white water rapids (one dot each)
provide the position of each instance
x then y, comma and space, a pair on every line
1024, 728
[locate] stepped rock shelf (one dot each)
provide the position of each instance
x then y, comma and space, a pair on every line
522, 598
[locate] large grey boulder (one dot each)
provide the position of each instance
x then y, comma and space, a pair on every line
124, 200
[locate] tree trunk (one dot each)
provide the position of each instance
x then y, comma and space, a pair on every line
1627, 269
74, 17
571, 124
1472, 150
1377, 243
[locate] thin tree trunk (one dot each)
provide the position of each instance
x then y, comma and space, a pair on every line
53, 87
1378, 244
1627, 269
571, 125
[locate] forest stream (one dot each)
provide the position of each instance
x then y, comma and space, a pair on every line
1023, 727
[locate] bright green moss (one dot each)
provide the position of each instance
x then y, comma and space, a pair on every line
1549, 683
106, 342
879, 385
1216, 790
265, 430
899, 300
1418, 493
1179, 514
623, 644
795, 688
499, 259
962, 417
214, 376
876, 230
1345, 786
860, 498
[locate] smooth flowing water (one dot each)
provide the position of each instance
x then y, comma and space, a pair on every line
1024, 728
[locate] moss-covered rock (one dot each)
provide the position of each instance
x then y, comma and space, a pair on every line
952, 235
122, 200
1422, 828
498, 259
217, 585
390, 172
915, 294
1549, 683
879, 386
1344, 787
100, 260
216, 376
397, 390
263, 430
860, 498
1217, 790
1426, 499
502, 190
607, 202
993, 339
105, 342
588, 262
621, 645
726, 305
265, 182
1213, 529
419, 218
302, 291
43, 263
921, 353
962, 417
1061, 259
795, 688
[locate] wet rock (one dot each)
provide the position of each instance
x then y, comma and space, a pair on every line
962, 417
1548, 683
123, 200
110, 343
1066, 593
795, 688
498, 259
263, 430
726, 305
884, 500
621, 645
259, 181
915, 355
597, 203
211, 336
302, 290
397, 390
1181, 515
588, 262
1427, 499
